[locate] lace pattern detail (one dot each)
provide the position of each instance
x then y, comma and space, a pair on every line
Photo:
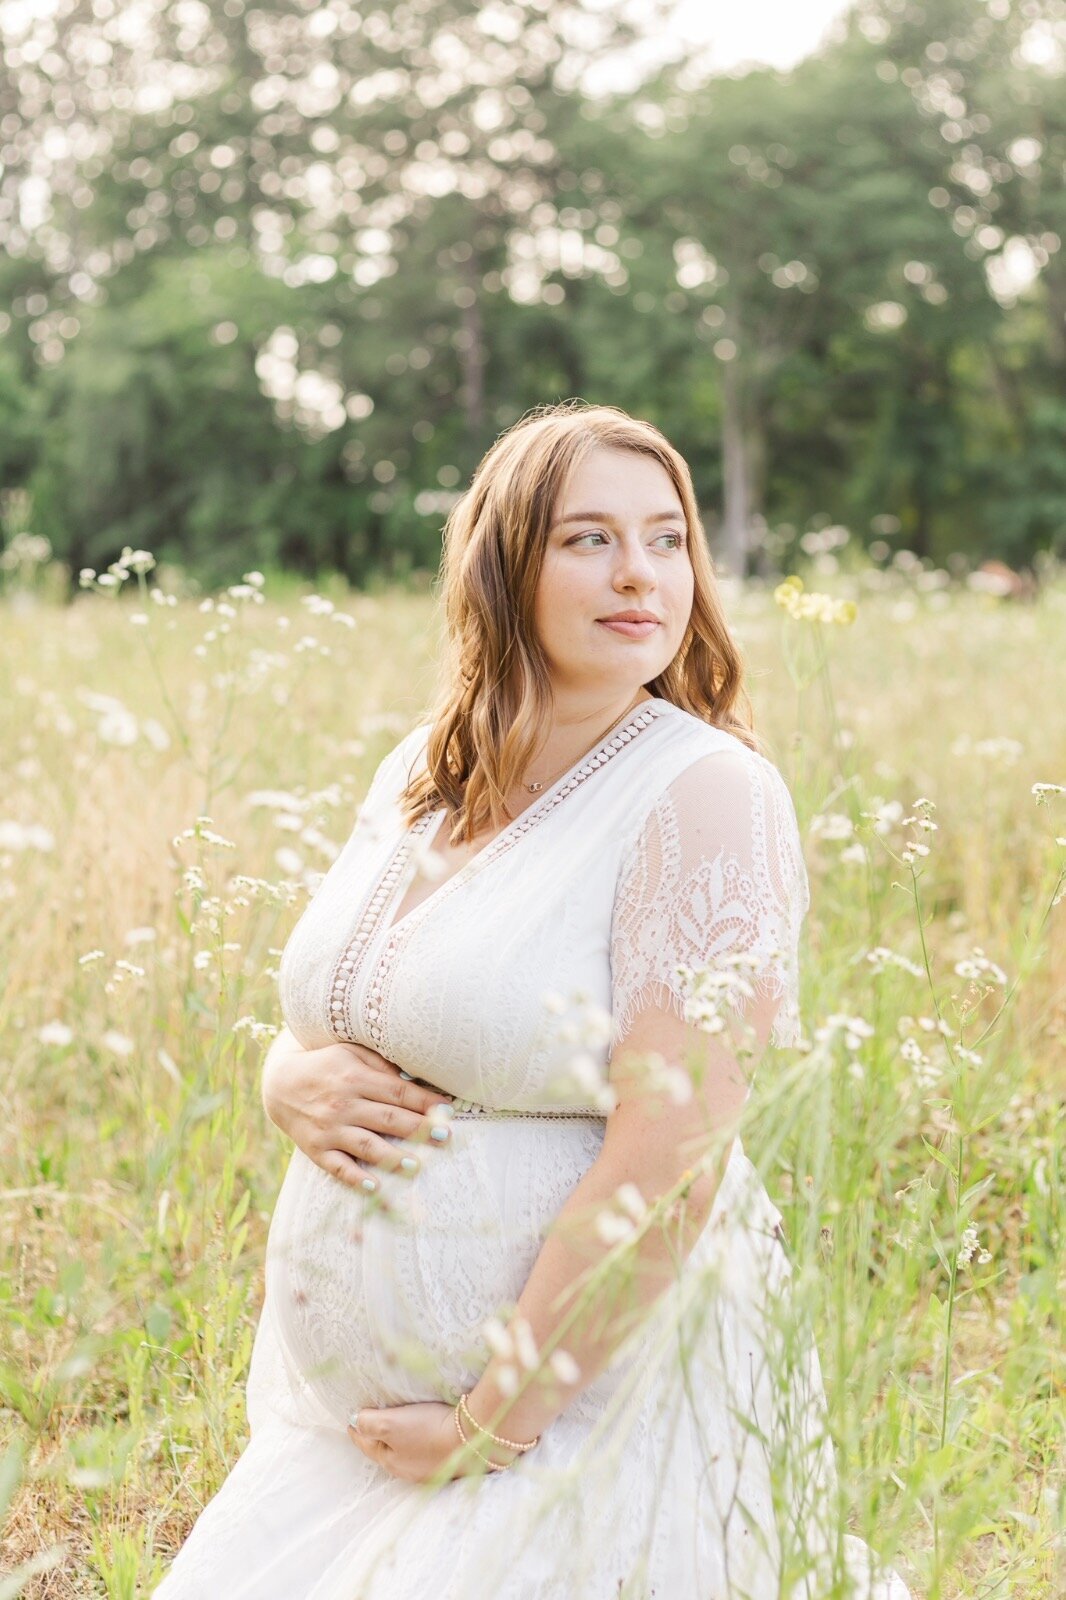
716, 869
344, 974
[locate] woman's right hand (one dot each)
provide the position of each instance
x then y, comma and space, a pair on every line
338, 1103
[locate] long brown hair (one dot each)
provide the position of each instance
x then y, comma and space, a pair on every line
494, 692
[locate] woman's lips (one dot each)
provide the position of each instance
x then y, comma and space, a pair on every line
632, 630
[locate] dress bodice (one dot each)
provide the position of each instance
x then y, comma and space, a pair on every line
508, 984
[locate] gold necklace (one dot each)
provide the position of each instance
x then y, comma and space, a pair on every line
535, 788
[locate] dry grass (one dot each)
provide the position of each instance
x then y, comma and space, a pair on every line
139, 1171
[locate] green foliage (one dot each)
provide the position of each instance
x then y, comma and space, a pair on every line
278, 327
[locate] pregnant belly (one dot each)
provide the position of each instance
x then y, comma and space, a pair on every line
381, 1302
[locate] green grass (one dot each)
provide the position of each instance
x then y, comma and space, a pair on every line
139, 1170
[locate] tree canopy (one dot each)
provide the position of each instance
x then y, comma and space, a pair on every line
274, 276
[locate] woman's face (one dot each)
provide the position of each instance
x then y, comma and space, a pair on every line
618, 543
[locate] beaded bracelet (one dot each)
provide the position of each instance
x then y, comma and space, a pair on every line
493, 1466
508, 1444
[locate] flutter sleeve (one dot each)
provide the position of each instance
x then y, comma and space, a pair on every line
713, 883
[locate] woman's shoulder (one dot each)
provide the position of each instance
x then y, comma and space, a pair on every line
395, 770
706, 770
690, 739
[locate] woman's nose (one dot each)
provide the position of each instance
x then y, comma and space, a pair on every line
634, 565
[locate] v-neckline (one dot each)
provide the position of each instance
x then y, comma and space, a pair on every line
398, 873
434, 821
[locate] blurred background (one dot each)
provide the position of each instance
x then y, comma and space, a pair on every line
273, 276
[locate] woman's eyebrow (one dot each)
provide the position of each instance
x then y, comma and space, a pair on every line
608, 516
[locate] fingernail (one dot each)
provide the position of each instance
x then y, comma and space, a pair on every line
408, 1076
440, 1134
444, 1108
409, 1164
369, 1185
353, 1420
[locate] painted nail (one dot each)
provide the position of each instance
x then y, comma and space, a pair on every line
369, 1185
409, 1164
408, 1076
440, 1134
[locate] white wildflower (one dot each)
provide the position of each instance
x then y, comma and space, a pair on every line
979, 969
1002, 749
853, 1029
586, 1072
614, 1229
117, 1042
498, 1338
278, 800
261, 1032
968, 1250
880, 957
25, 836
140, 936
56, 1033
564, 1366
90, 956
1044, 791
205, 834
525, 1344
886, 815
833, 826
137, 560
632, 1202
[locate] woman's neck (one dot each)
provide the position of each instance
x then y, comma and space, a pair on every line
576, 728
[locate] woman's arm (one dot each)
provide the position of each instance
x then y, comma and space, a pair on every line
344, 1105
714, 884
715, 881
604, 1265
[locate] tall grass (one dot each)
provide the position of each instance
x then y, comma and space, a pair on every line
173, 786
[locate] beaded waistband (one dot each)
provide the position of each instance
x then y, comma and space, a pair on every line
468, 1108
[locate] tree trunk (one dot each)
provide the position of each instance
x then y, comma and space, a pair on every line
472, 356
736, 484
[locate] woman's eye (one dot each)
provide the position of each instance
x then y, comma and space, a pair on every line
598, 533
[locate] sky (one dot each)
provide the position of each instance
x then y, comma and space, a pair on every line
767, 32
779, 32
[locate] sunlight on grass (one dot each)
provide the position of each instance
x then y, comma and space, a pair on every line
180, 772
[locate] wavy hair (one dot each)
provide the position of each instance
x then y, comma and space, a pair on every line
494, 692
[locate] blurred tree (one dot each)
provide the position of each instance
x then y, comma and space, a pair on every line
276, 277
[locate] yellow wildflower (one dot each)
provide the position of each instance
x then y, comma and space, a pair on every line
813, 607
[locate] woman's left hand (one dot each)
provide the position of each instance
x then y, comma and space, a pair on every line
411, 1442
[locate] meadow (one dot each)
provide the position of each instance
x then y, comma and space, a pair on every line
179, 771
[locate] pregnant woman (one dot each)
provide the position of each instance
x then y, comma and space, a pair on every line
531, 1356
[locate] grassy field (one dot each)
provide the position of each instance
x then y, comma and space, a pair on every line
175, 776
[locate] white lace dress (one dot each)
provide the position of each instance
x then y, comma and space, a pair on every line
671, 842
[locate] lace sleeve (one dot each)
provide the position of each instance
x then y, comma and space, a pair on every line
714, 880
